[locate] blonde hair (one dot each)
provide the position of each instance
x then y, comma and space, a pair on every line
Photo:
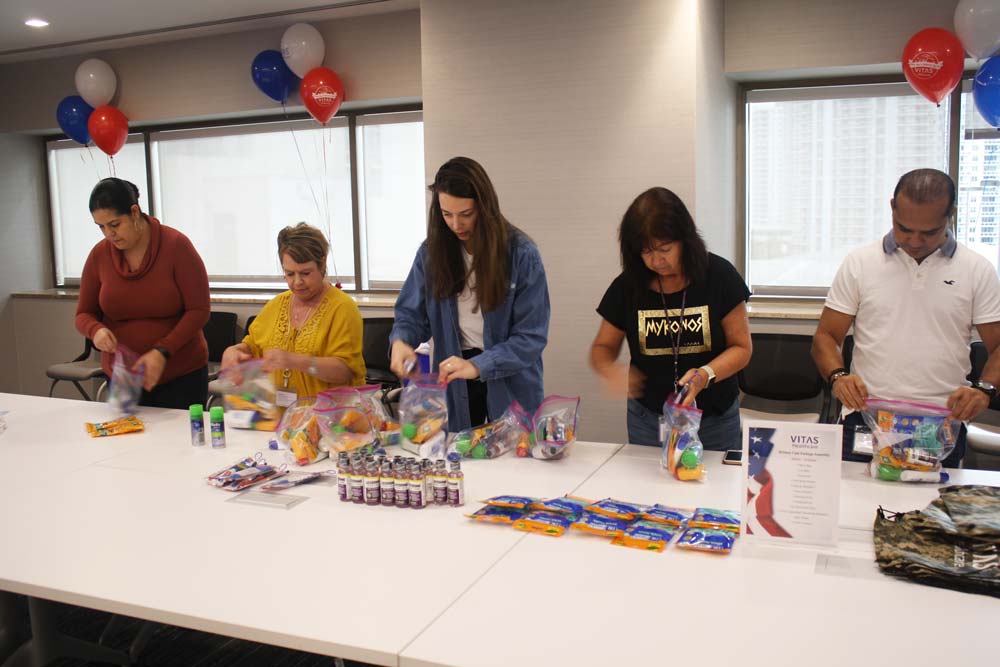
304, 243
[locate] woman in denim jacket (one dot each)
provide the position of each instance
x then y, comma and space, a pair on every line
478, 288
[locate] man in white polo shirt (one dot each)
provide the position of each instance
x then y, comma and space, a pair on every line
913, 298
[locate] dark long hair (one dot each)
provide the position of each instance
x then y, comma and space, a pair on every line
465, 178
659, 216
115, 194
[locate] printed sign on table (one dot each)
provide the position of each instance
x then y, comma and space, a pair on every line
792, 482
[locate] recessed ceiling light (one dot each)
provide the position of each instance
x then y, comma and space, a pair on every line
36, 23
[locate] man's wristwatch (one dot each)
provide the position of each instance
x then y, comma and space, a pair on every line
987, 388
710, 373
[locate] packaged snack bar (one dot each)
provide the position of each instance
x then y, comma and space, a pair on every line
672, 516
707, 539
517, 502
496, 514
563, 505
648, 535
598, 524
546, 523
130, 424
718, 519
616, 509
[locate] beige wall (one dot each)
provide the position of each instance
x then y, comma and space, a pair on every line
574, 109
772, 36
25, 257
378, 58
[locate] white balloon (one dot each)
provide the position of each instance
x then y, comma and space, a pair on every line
96, 82
977, 23
302, 48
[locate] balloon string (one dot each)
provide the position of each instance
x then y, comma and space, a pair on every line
111, 162
326, 197
93, 162
305, 172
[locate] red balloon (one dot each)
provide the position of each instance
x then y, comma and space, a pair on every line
108, 128
322, 92
933, 61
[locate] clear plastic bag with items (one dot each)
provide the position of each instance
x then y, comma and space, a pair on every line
910, 439
338, 397
423, 414
249, 397
125, 388
682, 452
555, 424
299, 433
489, 441
345, 429
378, 414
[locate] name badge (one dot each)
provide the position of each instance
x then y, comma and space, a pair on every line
285, 398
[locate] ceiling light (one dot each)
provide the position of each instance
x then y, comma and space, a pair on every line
36, 23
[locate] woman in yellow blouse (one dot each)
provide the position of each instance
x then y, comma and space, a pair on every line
310, 336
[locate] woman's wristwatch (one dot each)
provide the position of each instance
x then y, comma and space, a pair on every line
710, 373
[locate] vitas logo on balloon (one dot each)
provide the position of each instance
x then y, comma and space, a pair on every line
925, 65
325, 96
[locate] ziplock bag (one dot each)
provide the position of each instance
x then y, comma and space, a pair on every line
338, 397
299, 431
249, 397
378, 414
911, 439
555, 426
344, 429
510, 431
423, 414
126, 384
682, 452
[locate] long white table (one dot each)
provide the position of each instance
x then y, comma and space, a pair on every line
127, 524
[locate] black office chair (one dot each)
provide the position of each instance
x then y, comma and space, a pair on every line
220, 332
375, 351
781, 380
246, 331
82, 369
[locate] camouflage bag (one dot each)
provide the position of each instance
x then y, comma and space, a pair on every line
953, 543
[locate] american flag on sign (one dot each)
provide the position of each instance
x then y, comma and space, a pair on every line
760, 486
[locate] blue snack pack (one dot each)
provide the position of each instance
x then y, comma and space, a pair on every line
716, 519
517, 502
616, 509
497, 514
545, 523
648, 535
671, 516
598, 524
563, 505
707, 539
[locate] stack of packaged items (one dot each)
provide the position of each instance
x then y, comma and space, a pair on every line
245, 473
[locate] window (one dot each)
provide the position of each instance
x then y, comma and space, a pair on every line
231, 187
978, 184
73, 172
821, 164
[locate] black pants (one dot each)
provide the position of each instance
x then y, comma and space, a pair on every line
179, 393
854, 419
477, 394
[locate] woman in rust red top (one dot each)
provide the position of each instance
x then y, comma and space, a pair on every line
145, 287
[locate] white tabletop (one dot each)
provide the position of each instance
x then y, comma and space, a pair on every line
127, 524
579, 600
139, 532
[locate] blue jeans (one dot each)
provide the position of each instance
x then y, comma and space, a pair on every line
717, 433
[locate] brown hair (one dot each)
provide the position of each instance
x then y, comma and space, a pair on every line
304, 243
465, 178
657, 216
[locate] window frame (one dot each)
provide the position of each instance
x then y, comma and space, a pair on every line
818, 294
255, 284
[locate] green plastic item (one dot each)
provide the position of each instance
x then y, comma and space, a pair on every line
462, 446
479, 451
888, 473
197, 411
216, 414
409, 430
689, 459
338, 428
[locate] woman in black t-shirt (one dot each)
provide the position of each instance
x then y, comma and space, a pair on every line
683, 312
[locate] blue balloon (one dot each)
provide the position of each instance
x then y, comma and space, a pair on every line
986, 91
73, 114
270, 73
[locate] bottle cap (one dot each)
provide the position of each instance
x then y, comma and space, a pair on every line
216, 413
462, 445
689, 459
338, 428
197, 411
409, 430
479, 451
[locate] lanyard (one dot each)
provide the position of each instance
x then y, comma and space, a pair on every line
675, 342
